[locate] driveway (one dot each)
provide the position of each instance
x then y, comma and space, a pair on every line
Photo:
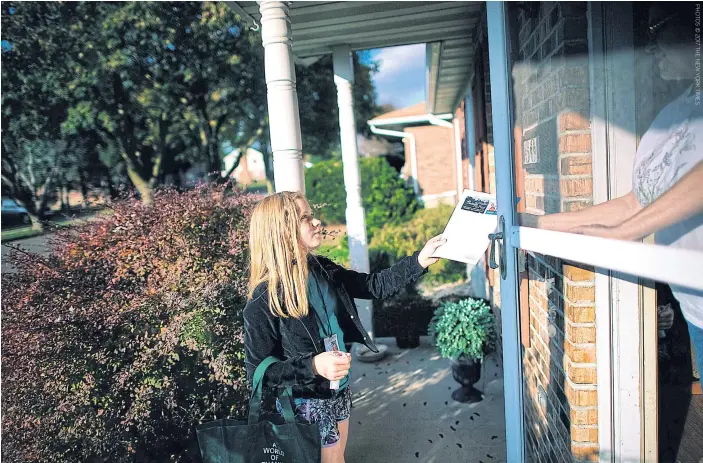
37, 244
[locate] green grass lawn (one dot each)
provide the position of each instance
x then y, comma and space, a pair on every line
18, 234
28, 232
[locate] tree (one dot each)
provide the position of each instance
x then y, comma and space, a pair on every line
34, 103
165, 82
149, 87
319, 113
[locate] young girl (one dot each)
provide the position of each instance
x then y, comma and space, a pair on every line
306, 320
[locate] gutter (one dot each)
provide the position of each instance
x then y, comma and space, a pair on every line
413, 153
441, 120
433, 119
246, 17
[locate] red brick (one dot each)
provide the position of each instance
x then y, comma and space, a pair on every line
576, 165
580, 334
575, 273
436, 158
579, 293
586, 435
573, 206
583, 353
534, 185
577, 187
573, 121
579, 314
580, 374
584, 416
584, 452
580, 397
575, 143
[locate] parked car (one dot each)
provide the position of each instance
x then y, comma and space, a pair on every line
13, 213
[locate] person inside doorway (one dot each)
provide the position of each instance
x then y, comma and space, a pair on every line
667, 175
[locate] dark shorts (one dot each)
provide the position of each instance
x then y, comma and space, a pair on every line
326, 413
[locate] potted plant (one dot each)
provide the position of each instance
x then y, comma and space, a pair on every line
405, 316
464, 332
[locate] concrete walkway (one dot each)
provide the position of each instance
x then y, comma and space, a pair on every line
403, 411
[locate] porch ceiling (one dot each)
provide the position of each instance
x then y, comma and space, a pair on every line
448, 28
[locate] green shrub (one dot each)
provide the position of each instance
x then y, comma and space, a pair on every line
128, 334
464, 329
385, 197
398, 241
338, 253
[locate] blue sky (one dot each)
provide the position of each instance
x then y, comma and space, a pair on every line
401, 77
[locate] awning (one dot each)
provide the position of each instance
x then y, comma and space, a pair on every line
449, 29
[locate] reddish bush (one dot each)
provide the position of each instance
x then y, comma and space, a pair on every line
117, 344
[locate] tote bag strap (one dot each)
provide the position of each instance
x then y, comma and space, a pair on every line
257, 386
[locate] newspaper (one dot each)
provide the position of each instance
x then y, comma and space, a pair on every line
474, 218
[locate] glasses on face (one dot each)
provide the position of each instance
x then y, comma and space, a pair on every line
656, 28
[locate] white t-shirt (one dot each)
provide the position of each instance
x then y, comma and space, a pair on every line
671, 147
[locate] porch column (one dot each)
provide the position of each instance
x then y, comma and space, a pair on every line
356, 222
284, 118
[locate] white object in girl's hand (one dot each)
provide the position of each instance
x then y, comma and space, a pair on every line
474, 218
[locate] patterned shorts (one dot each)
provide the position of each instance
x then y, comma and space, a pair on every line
327, 413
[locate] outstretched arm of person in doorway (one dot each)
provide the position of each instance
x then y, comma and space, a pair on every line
610, 213
680, 202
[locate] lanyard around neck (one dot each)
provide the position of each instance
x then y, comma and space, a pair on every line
324, 308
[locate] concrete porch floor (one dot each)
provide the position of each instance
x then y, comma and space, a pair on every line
403, 411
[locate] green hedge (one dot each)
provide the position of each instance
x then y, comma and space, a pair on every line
393, 242
398, 241
385, 197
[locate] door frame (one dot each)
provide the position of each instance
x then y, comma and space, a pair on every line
502, 145
621, 266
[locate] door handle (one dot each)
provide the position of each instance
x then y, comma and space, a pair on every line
494, 237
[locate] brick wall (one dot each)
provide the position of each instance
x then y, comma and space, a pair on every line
551, 97
436, 158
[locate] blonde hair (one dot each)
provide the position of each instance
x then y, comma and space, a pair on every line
277, 255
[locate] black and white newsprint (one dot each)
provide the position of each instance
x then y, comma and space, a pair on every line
474, 218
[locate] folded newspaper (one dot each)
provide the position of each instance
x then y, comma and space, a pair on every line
474, 218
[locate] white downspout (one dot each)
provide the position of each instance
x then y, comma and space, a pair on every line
413, 153
457, 147
470, 138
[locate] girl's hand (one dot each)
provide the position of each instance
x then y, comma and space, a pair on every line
332, 366
425, 258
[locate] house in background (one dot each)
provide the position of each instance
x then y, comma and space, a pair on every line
433, 151
251, 168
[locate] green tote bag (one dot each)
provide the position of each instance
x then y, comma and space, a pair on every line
257, 440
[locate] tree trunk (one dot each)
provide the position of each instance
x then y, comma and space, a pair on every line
214, 162
84, 191
143, 186
63, 198
226, 178
268, 167
37, 223
111, 190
